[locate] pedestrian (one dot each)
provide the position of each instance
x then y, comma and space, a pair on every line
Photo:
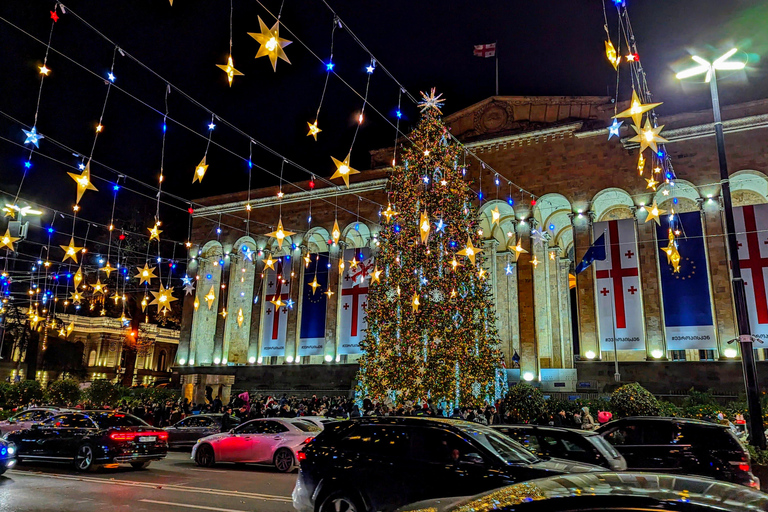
587, 421
560, 419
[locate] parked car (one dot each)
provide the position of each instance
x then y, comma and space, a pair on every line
320, 421
90, 439
611, 492
7, 455
382, 463
677, 445
566, 443
186, 432
274, 441
25, 419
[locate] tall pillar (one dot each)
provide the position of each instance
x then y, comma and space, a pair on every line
333, 312
553, 306
254, 339
204, 322
585, 284
237, 333
648, 262
564, 303
719, 274
541, 302
529, 361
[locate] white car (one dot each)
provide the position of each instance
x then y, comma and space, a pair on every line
24, 419
275, 441
320, 421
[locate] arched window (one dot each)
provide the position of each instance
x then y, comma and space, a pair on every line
92, 358
161, 361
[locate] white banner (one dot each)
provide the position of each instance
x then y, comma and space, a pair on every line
275, 319
353, 300
619, 306
752, 236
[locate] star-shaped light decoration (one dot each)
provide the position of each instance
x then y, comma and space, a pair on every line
535, 261
495, 216
518, 249
115, 297
75, 297
537, 236
336, 232
107, 269
54, 16
314, 284
652, 183
610, 53
613, 130
641, 164
7, 240
271, 43
70, 251
200, 170
454, 263
353, 262
440, 226
431, 101
70, 328
673, 255
424, 227
277, 301
196, 304
269, 262
637, 109
144, 303
313, 129
389, 212
240, 317
343, 170
482, 273
653, 212
648, 137
83, 181
509, 269
210, 297
307, 260
328, 292
44, 70
280, 234
78, 277
229, 69
146, 274
470, 251
33, 137
154, 233
415, 303
189, 288
163, 297
376, 275
552, 255
341, 265
12, 209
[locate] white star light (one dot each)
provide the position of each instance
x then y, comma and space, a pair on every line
211, 126
33, 137
111, 77
369, 68
614, 129
509, 268
431, 101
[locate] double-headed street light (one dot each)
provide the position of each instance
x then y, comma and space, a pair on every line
709, 69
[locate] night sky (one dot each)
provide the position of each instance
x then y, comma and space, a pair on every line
545, 48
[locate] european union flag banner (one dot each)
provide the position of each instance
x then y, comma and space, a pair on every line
687, 301
313, 306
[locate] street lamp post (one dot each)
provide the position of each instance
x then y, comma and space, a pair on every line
757, 438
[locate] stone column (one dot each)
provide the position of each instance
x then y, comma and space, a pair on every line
564, 302
541, 302
507, 305
204, 323
218, 340
333, 311
648, 261
719, 274
585, 284
529, 361
553, 306
236, 336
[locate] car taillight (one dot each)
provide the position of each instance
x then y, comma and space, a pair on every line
307, 440
163, 436
123, 436
743, 467
301, 456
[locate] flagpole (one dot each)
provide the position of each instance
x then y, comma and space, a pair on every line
496, 54
616, 373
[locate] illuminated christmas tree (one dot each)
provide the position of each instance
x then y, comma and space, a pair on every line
431, 324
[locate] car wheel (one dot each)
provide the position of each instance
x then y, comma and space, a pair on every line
205, 457
2, 470
341, 501
283, 460
139, 465
84, 460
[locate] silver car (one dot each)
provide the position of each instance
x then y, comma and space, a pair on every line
274, 441
320, 421
24, 419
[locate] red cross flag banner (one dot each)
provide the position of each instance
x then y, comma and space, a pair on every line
352, 303
752, 239
274, 320
619, 306
485, 50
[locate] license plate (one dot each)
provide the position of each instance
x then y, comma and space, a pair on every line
147, 439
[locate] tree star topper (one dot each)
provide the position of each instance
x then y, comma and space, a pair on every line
431, 101
271, 43
83, 181
280, 234
146, 274
637, 109
7, 240
653, 212
470, 251
343, 170
229, 69
648, 137
70, 251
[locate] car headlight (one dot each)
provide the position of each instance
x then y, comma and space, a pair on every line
11, 449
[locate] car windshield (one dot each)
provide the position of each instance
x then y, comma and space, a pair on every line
508, 450
111, 420
604, 446
306, 426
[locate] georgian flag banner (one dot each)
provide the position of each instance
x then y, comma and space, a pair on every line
752, 237
619, 304
274, 320
485, 50
353, 300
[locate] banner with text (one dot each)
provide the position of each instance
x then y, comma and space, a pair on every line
752, 235
313, 306
354, 293
274, 321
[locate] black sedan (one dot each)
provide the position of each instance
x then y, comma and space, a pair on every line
7, 455
610, 492
186, 432
91, 439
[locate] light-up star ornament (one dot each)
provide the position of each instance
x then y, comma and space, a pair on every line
470, 251
648, 137
70, 251
229, 69
12, 209
653, 212
271, 43
146, 274
280, 234
343, 170
613, 130
652, 183
673, 255
154, 233
637, 109
415, 303
75, 297
336, 232
78, 277
431, 101
389, 212
519, 249
269, 262
313, 129
509, 269
189, 287
98, 287
210, 297
314, 284
376, 276
33, 137
200, 171
495, 215
83, 181
107, 269
7, 240
163, 297
610, 53
424, 227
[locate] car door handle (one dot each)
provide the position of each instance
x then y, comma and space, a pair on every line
277, 437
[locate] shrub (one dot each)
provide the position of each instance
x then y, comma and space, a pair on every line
634, 400
102, 392
5, 387
668, 409
524, 403
23, 393
63, 392
698, 398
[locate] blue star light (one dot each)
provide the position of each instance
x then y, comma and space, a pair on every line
614, 129
289, 303
508, 269
186, 280
398, 113
440, 226
111, 77
33, 136
27, 164
329, 66
424, 280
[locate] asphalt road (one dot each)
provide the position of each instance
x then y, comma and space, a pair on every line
175, 484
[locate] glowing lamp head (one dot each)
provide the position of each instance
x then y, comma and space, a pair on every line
657, 354
251, 359
182, 361
730, 353
289, 359
216, 361
589, 354
528, 376
328, 358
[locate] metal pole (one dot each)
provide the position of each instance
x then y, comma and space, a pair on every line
757, 437
496, 54
616, 373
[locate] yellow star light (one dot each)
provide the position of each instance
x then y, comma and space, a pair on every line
341, 265
280, 233
353, 262
70, 328
314, 284
240, 317
83, 181
7, 240
376, 277
98, 287
107, 269
146, 274
454, 263
343, 170
518, 249
415, 303
613, 57
673, 255
424, 227
637, 109
196, 304
154, 233
269, 262
307, 261
144, 303
313, 129
70, 251
389, 212
78, 277
535, 262
495, 215
44, 70
10, 211
648, 137
481, 274
277, 302
200, 170
229, 69
336, 232
75, 297
271, 43
328, 292
470, 251
641, 164
653, 212
163, 297
652, 183
115, 297
210, 297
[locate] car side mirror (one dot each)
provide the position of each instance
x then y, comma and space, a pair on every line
473, 458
